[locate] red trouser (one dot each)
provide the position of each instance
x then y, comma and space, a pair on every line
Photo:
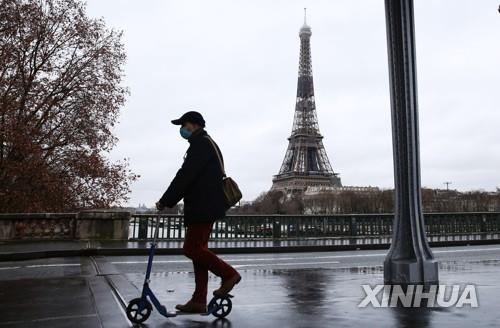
196, 248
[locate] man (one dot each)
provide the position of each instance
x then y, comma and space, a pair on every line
199, 182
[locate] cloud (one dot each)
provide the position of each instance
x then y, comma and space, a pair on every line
237, 62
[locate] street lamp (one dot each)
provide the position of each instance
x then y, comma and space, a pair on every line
410, 259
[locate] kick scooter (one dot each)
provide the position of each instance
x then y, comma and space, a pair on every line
139, 309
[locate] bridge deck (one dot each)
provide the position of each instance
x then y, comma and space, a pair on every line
317, 289
24, 250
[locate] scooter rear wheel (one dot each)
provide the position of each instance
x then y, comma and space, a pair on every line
138, 310
224, 306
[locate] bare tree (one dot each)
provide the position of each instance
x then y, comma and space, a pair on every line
60, 95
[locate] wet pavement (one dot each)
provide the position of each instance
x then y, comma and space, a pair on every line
26, 250
317, 289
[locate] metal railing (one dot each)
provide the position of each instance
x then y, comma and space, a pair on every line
251, 227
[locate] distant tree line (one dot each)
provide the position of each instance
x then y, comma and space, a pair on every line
381, 201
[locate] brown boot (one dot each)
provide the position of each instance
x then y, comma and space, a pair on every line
192, 307
227, 285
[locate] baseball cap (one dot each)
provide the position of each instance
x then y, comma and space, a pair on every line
191, 116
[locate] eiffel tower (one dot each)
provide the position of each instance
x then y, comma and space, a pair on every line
305, 163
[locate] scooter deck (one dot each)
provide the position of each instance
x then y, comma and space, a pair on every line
176, 313
171, 314
191, 313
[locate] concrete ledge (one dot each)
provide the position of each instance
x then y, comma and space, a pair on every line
84, 225
107, 225
20, 256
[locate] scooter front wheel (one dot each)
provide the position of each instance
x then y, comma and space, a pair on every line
221, 306
138, 310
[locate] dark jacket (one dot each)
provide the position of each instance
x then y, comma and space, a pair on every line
199, 182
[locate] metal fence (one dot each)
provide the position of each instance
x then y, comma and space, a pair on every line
251, 227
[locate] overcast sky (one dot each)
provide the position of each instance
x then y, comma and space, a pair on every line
236, 62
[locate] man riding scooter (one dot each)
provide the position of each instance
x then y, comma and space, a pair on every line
199, 182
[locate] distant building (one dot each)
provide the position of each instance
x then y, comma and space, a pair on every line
329, 200
315, 190
142, 208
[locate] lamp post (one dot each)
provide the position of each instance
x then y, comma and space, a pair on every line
410, 259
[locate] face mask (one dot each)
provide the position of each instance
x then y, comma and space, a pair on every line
185, 133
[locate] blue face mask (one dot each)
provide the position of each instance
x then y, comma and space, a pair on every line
185, 133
